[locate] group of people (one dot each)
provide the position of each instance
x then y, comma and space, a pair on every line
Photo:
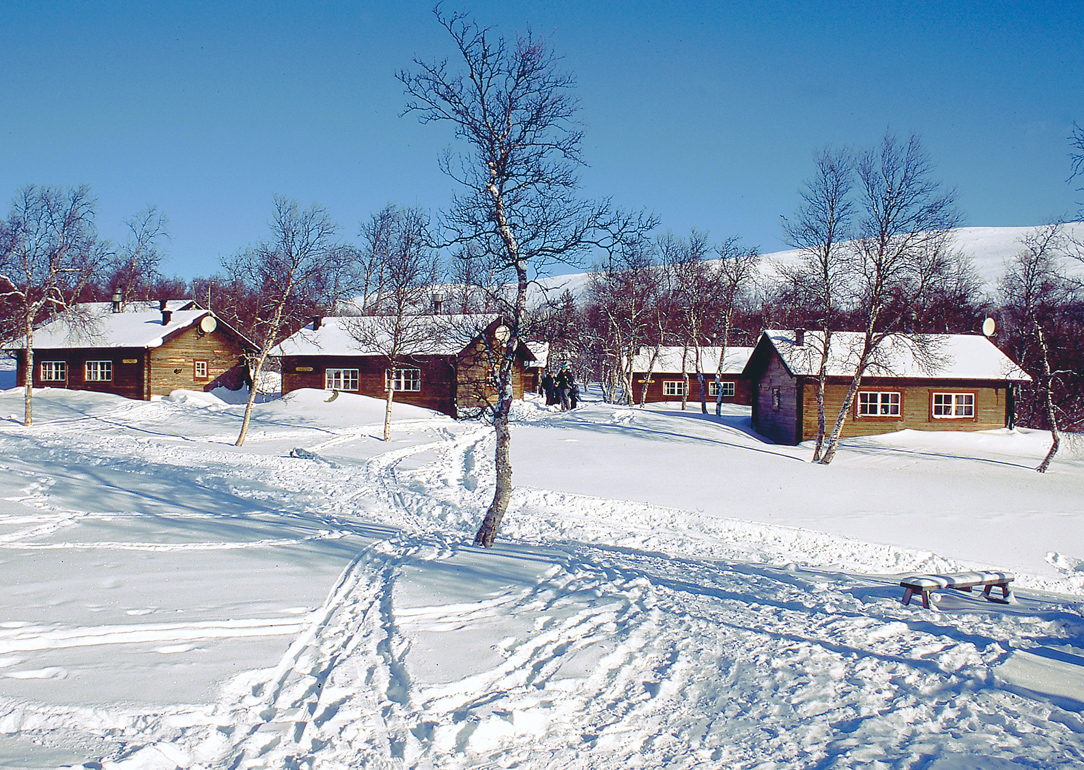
561, 389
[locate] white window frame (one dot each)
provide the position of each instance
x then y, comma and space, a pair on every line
728, 389
201, 369
955, 405
50, 369
404, 380
886, 404
673, 388
99, 371
342, 379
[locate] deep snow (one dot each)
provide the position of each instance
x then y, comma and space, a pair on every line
668, 591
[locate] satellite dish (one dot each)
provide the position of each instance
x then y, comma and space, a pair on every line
502, 333
208, 324
988, 327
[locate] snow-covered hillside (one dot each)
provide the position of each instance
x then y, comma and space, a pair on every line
990, 249
668, 591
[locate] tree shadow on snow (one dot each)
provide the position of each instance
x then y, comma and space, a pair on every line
658, 434
861, 447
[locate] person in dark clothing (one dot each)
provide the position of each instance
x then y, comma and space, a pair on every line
564, 384
550, 389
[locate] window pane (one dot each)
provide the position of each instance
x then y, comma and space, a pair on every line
54, 371
726, 387
99, 371
954, 405
878, 404
673, 388
341, 379
403, 379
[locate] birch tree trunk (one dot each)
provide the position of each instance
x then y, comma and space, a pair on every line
647, 375
844, 410
502, 491
684, 378
28, 373
703, 384
727, 316
629, 396
261, 359
822, 381
255, 375
387, 406
502, 458
1048, 398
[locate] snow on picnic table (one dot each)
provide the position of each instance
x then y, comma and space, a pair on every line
669, 591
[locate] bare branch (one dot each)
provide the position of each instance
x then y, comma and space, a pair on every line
512, 107
293, 276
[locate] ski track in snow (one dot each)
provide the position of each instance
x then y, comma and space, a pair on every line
629, 655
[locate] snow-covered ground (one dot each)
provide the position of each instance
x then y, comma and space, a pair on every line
668, 591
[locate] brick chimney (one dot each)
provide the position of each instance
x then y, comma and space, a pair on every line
799, 337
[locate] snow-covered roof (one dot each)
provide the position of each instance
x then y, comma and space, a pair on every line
541, 352
670, 358
140, 306
949, 357
94, 325
353, 335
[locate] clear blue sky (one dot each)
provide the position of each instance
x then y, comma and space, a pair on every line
705, 113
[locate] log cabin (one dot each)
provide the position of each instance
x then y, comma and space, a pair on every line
136, 352
948, 382
672, 365
535, 370
449, 367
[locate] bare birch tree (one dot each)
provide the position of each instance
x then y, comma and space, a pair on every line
518, 207
624, 293
820, 230
901, 252
49, 251
372, 258
736, 271
1035, 289
693, 291
399, 324
135, 264
558, 322
1076, 157
294, 277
